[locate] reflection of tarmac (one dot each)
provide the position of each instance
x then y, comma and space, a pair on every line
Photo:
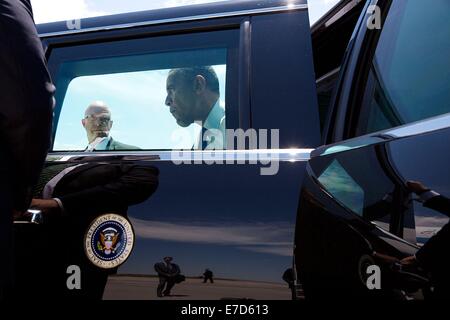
144, 288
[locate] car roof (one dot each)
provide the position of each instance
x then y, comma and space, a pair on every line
169, 15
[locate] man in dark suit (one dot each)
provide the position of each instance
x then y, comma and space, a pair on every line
434, 255
74, 196
168, 273
97, 123
26, 102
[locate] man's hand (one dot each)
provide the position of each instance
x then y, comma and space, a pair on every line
409, 261
416, 187
47, 207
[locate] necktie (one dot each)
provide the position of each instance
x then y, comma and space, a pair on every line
204, 138
46, 175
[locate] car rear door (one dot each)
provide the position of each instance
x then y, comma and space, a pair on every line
231, 211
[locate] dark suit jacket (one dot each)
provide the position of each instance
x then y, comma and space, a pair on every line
163, 271
26, 100
435, 253
439, 203
434, 256
96, 188
25, 119
116, 145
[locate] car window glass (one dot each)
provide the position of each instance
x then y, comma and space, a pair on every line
342, 187
325, 86
409, 79
429, 167
139, 116
374, 195
114, 95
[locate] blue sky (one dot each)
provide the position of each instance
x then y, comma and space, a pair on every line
56, 10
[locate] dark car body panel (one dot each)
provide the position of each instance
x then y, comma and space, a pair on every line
355, 205
226, 217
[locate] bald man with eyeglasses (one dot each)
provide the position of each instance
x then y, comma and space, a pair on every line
98, 123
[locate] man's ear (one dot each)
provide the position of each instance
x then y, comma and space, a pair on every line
110, 124
199, 84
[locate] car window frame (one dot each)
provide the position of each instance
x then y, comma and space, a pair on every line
205, 39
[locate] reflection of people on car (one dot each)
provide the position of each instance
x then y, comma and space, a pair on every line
97, 123
208, 275
434, 255
193, 96
168, 273
70, 197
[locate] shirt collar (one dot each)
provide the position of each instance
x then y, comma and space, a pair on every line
215, 116
99, 143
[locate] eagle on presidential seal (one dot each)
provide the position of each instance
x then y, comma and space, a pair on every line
109, 241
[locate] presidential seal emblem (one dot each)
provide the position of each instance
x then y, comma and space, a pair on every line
109, 241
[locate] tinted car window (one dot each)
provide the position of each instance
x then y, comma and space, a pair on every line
325, 86
129, 77
409, 79
377, 190
373, 194
429, 167
136, 101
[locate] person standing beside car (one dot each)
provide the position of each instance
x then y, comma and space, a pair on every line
168, 273
26, 112
434, 255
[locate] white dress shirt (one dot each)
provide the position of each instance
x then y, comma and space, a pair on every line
99, 143
215, 126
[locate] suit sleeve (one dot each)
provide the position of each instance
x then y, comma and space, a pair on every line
433, 251
26, 99
135, 184
439, 203
177, 270
160, 271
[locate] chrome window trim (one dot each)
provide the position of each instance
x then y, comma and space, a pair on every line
349, 6
408, 130
329, 74
394, 237
288, 7
291, 155
419, 127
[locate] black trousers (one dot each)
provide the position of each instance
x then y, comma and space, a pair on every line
6, 265
25, 120
166, 282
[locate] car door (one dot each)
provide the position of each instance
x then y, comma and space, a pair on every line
389, 124
231, 211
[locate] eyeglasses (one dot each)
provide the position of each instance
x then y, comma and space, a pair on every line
98, 118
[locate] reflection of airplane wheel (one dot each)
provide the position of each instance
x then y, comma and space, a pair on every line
363, 264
